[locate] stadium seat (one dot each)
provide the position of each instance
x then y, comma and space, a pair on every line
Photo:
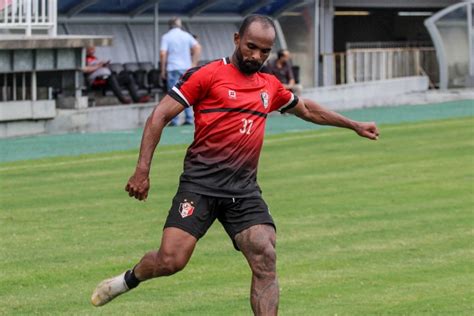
203, 62
139, 75
155, 81
146, 66
116, 68
121, 70
131, 67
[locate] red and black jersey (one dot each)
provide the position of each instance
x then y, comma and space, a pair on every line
230, 111
91, 60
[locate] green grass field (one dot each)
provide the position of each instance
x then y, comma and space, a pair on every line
364, 228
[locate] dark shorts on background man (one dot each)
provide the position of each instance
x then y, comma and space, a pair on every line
195, 213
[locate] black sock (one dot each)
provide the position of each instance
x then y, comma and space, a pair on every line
131, 279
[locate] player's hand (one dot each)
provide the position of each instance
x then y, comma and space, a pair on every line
367, 129
138, 185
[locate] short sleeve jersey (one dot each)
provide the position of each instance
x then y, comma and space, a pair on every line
230, 111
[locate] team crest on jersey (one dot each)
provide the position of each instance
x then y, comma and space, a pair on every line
264, 98
232, 94
186, 208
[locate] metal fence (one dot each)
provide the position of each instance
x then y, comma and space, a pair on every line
29, 16
388, 44
369, 64
17, 87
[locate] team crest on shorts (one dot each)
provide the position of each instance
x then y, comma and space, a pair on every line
264, 98
186, 208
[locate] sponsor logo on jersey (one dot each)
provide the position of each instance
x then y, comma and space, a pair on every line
232, 94
264, 98
186, 208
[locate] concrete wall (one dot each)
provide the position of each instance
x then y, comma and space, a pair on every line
27, 110
22, 128
365, 94
100, 119
21, 118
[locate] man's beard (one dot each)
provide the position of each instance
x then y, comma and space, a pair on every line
248, 67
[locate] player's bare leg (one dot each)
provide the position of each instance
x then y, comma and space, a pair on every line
257, 243
175, 251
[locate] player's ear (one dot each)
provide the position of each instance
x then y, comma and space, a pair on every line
236, 39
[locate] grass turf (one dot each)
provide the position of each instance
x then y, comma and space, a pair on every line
364, 228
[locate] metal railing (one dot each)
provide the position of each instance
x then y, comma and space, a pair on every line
29, 15
388, 44
16, 87
369, 64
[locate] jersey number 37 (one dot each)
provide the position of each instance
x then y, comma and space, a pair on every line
246, 126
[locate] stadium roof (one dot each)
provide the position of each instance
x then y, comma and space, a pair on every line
193, 8
71, 8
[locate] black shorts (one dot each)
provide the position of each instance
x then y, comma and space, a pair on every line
195, 213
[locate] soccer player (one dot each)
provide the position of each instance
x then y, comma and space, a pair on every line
231, 101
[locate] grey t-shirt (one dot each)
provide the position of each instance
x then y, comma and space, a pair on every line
284, 74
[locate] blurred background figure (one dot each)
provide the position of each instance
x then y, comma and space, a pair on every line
98, 74
179, 52
281, 67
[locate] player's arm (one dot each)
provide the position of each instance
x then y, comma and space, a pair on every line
139, 182
91, 68
311, 111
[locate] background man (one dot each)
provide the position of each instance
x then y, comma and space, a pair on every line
281, 67
231, 100
179, 51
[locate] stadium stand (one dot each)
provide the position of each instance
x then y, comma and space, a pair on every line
41, 72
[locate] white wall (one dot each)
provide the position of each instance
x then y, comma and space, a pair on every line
365, 94
216, 39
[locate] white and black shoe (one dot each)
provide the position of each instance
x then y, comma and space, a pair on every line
109, 289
